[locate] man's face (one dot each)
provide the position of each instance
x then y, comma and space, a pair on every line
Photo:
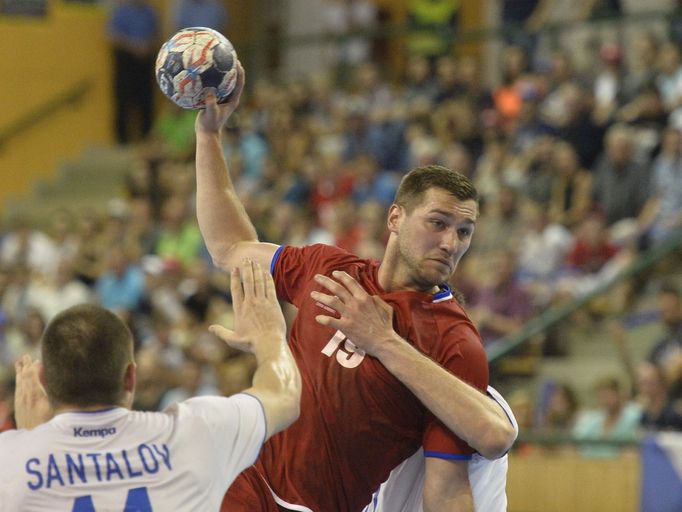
433, 237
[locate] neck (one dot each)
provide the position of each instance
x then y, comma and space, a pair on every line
392, 276
84, 408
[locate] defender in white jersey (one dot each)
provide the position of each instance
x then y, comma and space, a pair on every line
97, 455
402, 492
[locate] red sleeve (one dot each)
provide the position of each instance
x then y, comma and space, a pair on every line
461, 352
294, 267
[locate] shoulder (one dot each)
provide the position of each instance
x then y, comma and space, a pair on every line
319, 256
218, 408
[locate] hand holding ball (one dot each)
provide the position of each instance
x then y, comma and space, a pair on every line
192, 63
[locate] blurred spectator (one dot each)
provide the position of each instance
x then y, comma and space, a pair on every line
608, 84
348, 19
59, 292
669, 79
542, 251
662, 215
121, 286
26, 245
133, 30
522, 19
667, 352
536, 167
560, 411
501, 306
594, 261
199, 13
615, 418
191, 382
179, 237
621, 183
659, 411
432, 25
501, 224
24, 337
641, 70
419, 80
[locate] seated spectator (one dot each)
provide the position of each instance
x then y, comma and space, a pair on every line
621, 183
614, 419
199, 13
191, 382
541, 252
121, 286
27, 245
63, 290
661, 217
667, 352
179, 237
659, 411
561, 412
501, 306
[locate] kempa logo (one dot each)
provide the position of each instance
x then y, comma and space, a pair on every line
93, 432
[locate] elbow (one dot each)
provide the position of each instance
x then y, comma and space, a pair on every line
498, 441
224, 256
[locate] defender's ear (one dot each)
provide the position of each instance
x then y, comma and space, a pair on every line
130, 378
396, 213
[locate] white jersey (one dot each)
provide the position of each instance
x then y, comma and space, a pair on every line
181, 459
403, 490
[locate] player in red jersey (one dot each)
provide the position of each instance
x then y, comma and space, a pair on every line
378, 346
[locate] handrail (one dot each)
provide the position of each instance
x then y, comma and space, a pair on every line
70, 96
553, 315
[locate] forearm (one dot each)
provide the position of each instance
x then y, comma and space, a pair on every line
222, 218
466, 411
277, 383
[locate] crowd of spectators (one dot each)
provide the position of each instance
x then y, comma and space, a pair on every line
578, 172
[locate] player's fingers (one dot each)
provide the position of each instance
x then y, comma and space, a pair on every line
223, 333
329, 300
328, 321
258, 280
236, 288
333, 286
247, 278
270, 290
350, 283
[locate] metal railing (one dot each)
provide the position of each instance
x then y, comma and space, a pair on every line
553, 315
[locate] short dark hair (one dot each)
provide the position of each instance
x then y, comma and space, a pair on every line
85, 352
415, 183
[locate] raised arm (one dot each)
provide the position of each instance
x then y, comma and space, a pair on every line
224, 224
259, 328
466, 411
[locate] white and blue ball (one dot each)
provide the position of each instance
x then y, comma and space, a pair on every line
194, 61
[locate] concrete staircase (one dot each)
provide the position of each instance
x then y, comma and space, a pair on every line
86, 183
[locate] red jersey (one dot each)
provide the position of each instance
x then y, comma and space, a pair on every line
357, 420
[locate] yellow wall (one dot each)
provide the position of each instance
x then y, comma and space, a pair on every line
566, 482
42, 58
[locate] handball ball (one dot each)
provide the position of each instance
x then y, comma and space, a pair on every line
194, 61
